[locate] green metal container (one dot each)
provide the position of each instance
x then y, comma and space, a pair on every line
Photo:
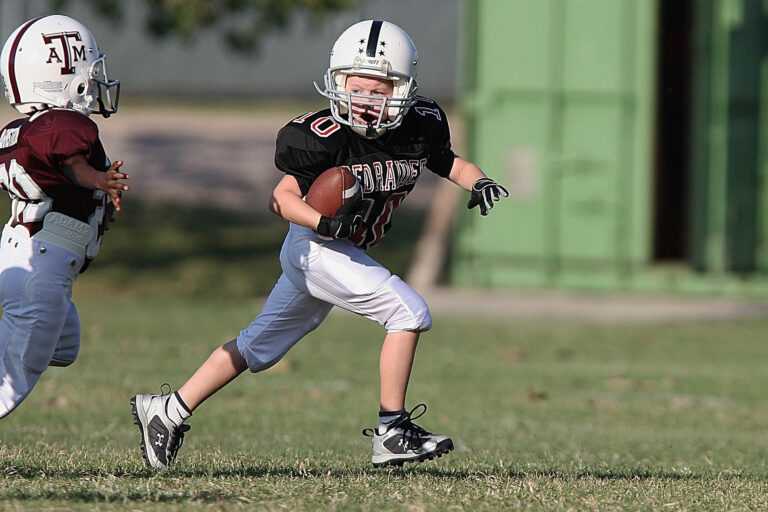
616, 183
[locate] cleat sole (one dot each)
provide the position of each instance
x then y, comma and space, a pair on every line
137, 422
442, 449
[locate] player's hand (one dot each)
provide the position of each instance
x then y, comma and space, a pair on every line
345, 222
484, 192
111, 184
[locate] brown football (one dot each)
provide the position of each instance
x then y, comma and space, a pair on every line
332, 189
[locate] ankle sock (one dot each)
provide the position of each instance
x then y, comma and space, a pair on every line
387, 417
176, 409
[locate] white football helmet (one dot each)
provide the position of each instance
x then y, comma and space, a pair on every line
378, 49
53, 61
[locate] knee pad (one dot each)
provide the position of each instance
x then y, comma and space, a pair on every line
40, 337
65, 356
68, 347
407, 310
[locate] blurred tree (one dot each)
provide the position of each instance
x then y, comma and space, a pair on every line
243, 21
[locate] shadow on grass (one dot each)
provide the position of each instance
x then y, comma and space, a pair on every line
270, 469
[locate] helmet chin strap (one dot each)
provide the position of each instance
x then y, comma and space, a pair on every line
102, 109
370, 131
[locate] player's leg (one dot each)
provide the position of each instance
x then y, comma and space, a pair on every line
221, 367
337, 272
68, 347
15, 381
287, 316
160, 417
398, 439
341, 274
395, 363
35, 286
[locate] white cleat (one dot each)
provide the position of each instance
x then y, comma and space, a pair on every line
161, 438
404, 441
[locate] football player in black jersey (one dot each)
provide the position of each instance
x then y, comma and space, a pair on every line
377, 127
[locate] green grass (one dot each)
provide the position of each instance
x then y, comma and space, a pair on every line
544, 415
551, 415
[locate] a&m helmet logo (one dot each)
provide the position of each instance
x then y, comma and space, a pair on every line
65, 48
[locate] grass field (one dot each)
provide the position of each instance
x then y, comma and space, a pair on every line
544, 415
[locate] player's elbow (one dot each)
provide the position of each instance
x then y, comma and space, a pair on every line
274, 205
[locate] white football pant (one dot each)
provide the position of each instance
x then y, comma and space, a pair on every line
40, 326
318, 274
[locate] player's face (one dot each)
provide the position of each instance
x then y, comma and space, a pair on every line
367, 106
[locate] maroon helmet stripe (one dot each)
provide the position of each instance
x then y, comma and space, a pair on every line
12, 60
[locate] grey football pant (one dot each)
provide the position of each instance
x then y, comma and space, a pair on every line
318, 274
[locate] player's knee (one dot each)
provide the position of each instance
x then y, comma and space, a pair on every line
68, 348
65, 356
422, 319
410, 311
257, 364
258, 357
263, 343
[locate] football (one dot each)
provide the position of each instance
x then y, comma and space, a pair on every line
332, 189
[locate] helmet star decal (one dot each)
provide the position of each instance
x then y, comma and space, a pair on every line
377, 49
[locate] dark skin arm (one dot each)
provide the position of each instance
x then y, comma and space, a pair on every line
77, 170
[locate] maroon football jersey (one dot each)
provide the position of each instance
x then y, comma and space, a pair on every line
31, 152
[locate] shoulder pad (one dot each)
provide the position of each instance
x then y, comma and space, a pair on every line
61, 120
428, 110
57, 134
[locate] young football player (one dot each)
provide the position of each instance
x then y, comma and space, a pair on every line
59, 179
377, 127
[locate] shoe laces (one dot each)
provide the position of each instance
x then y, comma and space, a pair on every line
404, 422
177, 439
177, 436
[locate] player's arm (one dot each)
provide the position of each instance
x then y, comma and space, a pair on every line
79, 172
287, 202
465, 174
470, 177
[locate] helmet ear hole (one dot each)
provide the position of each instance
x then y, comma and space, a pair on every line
340, 79
80, 88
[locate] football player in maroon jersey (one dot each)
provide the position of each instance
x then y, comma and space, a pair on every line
377, 127
63, 189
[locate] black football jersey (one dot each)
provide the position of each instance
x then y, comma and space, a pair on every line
387, 167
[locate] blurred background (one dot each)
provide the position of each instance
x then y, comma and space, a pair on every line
630, 133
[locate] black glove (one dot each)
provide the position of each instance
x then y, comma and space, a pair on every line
484, 192
345, 222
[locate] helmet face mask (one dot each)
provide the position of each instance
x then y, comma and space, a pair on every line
381, 112
54, 62
107, 91
376, 49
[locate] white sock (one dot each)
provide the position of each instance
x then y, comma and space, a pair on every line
176, 409
387, 417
